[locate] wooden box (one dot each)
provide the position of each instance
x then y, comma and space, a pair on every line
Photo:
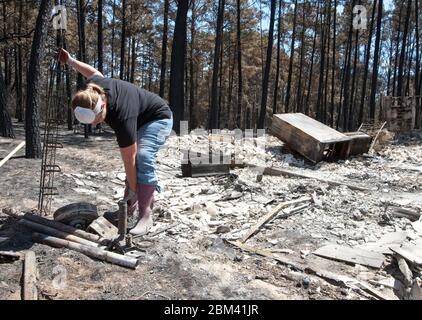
312, 139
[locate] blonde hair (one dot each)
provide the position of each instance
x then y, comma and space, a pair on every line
88, 97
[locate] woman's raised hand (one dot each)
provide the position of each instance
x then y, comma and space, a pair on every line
64, 56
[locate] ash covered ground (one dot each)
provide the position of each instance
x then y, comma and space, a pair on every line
192, 260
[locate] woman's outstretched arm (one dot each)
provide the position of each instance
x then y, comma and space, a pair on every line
85, 69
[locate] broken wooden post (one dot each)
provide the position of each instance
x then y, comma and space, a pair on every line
285, 172
56, 233
30, 291
271, 215
90, 251
65, 228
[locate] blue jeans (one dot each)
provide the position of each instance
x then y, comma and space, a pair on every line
151, 136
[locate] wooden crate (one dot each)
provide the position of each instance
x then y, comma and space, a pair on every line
312, 139
196, 164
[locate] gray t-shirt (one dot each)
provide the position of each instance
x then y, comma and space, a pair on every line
129, 107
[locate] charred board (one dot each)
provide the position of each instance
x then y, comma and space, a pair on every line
197, 164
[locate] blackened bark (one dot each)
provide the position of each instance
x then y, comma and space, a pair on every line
277, 75
366, 70
213, 118
264, 96
100, 36
164, 48
333, 86
292, 53
177, 69
32, 129
123, 40
375, 64
6, 128
239, 68
400, 91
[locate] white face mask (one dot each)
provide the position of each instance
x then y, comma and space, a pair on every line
87, 116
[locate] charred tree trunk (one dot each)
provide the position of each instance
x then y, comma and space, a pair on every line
366, 70
309, 89
177, 72
213, 118
164, 48
6, 128
333, 86
277, 75
302, 53
418, 75
400, 91
123, 40
32, 121
292, 53
239, 67
113, 32
375, 65
264, 96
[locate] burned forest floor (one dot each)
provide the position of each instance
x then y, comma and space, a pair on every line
194, 259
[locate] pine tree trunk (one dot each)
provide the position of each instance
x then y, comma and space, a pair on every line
264, 96
321, 71
302, 53
239, 68
309, 89
400, 91
375, 64
113, 32
6, 128
123, 40
164, 48
192, 100
32, 121
292, 53
418, 76
100, 36
333, 86
177, 68
277, 75
213, 119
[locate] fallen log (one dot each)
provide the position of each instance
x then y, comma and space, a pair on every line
30, 291
271, 215
56, 233
92, 252
65, 228
284, 172
2, 162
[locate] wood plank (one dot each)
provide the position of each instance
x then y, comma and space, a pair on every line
265, 253
2, 162
312, 127
271, 215
352, 255
104, 228
284, 172
30, 291
412, 253
384, 243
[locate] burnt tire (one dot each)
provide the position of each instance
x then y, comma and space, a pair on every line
78, 215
